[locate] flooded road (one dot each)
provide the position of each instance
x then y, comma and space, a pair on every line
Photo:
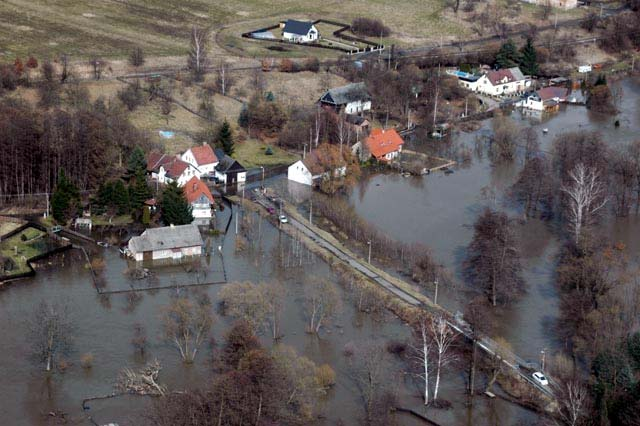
439, 211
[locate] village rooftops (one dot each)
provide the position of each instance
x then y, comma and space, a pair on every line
301, 28
507, 75
195, 188
552, 92
157, 159
343, 95
166, 238
382, 142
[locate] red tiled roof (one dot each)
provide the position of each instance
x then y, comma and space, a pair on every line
382, 142
157, 159
195, 188
497, 76
175, 168
552, 92
204, 154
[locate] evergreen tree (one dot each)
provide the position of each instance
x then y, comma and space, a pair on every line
104, 198
120, 198
175, 208
601, 80
508, 55
137, 162
225, 138
529, 58
139, 191
65, 199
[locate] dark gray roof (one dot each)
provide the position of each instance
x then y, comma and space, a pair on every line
166, 238
227, 163
345, 94
297, 27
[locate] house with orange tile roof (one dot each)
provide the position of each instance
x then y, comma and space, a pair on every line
200, 198
384, 144
203, 158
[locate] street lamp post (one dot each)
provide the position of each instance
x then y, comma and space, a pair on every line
542, 354
262, 186
369, 243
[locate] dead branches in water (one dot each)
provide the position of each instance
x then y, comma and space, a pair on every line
141, 382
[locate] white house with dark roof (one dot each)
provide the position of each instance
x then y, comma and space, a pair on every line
169, 242
546, 98
299, 31
354, 98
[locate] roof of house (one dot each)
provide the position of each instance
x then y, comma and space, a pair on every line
357, 120
382, 142
227, 163
204, 154
195, 188
156, 159
166, 238
511, 74
552, 92
175, 167
297, 27
345, 94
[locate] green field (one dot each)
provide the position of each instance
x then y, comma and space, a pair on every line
251, 154
111, 28
20, 251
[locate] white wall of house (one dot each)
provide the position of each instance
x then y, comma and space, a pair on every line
483, 85
203, 169
170, 254
188, 173
532, 102
356, 107
298, 172
298, 38
201, 208
240, 177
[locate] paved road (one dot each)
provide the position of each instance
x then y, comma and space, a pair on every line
485, 343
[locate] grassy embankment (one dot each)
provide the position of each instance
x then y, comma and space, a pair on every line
19, 250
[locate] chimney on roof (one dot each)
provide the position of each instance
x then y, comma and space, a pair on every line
195, 186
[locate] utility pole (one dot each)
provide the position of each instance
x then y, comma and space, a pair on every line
262, 185
310, 212
542, 354
369, 243
435, 297
237, 212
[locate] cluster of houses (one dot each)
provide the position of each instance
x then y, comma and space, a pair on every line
384, 145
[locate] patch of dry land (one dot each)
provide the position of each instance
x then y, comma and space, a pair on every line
112, 28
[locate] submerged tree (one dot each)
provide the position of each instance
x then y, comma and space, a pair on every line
320, 302
187, 324
51, 332
493, 261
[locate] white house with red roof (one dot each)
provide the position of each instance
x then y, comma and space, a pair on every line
203, 158
200, 198
167, 168
502, 82
384, 144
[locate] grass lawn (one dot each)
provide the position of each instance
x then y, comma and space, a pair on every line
25, 249
111, 29
250, 154
115, 220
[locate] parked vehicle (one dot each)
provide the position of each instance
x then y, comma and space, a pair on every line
56, 229
540, 378
103, 244
271, 210
283, 219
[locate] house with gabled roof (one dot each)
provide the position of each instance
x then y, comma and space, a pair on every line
169, 242
384, 144
199, 196
202, 157
229, 171
354, 98
299, 31
503, 82
167, 168
545, 99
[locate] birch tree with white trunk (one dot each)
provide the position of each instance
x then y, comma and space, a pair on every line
443, 339
573, 403
51, 331
421, 354
585, 198
197, 61
321, 301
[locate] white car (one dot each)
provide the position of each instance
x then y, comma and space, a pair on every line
540, 378
283, 219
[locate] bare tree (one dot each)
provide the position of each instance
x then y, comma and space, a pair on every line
573, 403
136, 58
443, 338
321, 301
225, 80
98, 67
258, 304
369, 372
197, 61
585, 198
141, 382
65, 72
187, 325
422, 355
51, 331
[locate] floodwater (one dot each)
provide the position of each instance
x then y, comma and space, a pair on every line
439, 210
104, 327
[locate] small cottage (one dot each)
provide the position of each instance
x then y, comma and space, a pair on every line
169, 242
228, 170
299, 31
354, 98
545, 99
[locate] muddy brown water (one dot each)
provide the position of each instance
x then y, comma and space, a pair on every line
436, 210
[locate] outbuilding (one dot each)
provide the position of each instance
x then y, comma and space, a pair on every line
299, 31
169, 242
